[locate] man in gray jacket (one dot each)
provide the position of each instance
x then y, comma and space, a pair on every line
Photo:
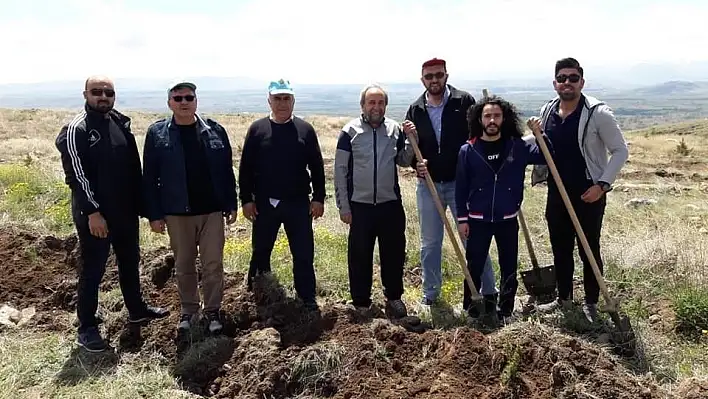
582, 130
369, 199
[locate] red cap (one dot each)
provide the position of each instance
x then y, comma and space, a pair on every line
432, 62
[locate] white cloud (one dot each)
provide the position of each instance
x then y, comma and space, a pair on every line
332, 41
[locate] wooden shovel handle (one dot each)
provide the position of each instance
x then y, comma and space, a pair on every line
569, 206
527, 238
450, 233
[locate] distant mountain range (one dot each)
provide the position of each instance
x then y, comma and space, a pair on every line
245, 95
674, 88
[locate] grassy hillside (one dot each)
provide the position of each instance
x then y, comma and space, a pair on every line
655, 246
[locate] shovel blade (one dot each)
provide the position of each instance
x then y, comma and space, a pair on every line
624, 337
540, 282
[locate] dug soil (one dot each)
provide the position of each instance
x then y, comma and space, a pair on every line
271, 347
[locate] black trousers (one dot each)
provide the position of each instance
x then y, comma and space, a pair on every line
506, 235
563, 238
123, 236
387, 223
295, 217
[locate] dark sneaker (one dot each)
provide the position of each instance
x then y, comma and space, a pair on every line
473, 312
214, 320
185, 322
91, 340
148, 313
555, 305
590, 311
361, 308
396, 308
426, 302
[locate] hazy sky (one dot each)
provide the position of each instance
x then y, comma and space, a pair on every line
328, 41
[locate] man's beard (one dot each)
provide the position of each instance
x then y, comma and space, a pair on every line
437, 90
493, 133
567, 96
102, 107
374, 117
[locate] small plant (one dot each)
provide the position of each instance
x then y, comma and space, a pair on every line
509, 373
682, 148
27, 161
691, 308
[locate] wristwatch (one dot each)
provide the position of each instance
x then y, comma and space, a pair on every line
604, 185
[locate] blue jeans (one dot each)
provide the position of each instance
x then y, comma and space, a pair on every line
431, 239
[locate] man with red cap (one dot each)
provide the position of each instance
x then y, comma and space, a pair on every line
439, 117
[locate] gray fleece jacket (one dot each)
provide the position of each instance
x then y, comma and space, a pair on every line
598, 134
365, 164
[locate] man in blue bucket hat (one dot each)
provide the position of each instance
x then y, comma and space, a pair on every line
275, 185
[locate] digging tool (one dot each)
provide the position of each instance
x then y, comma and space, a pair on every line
626, 336
540, 282
476, 298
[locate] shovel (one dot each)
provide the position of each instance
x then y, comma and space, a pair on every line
625, 337
476, 298
540, 282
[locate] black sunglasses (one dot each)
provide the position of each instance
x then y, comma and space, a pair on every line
574, 78
188, 97
99, 92
429, 76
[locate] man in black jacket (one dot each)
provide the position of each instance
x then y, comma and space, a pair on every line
439, 117
102, 166
275, 188
190, 188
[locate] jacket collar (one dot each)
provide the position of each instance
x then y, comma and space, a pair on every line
201, 124
588, 101
363, 120
446, 96
94, 115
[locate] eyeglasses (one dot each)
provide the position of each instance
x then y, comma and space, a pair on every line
179, 99
99, 92
430, 76
574, 78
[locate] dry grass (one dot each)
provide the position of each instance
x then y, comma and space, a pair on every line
651, 250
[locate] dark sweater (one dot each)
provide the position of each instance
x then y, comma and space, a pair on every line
275, 162
200, 191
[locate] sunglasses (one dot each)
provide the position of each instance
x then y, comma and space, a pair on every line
574, 78
430, 76
179, 99
99, 92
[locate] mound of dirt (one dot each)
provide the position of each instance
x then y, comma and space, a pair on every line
272, 347
693, 388
42, 271
37, 271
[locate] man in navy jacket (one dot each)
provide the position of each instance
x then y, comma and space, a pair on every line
190, 187
489, 191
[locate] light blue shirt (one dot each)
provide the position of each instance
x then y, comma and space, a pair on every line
435, 112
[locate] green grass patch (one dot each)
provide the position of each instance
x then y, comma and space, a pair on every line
690, 304
330, 260
50, 365
31, 196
